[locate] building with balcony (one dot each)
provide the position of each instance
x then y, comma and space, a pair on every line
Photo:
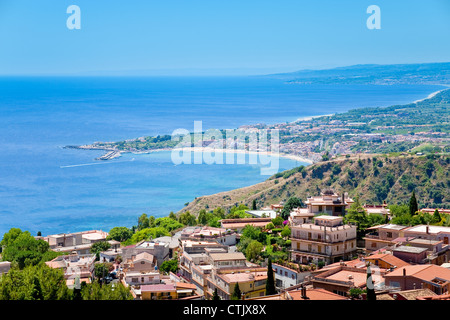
286, 277
385, 261
300, 215
220, 235
252, 283
341, 279
381, 210
139, 278
327, 240
217, 268
329, 203
410, 254
428, 276
438, 233
74, 239
159, 250
74, 266
382, 236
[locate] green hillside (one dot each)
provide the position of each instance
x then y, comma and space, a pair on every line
374, 178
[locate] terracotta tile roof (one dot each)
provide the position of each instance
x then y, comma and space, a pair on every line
424, 272
389, 258
227, 256
316, 294
356, 263
356, 277
384, 296
244, 276
414, 294
440, 297
158, 288
185, 285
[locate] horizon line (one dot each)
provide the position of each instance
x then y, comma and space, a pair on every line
204, 72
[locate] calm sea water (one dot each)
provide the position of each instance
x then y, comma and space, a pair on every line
41, 115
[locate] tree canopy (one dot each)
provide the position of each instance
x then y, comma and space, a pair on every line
21, 248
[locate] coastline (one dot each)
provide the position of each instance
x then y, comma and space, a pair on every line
240, 151
235, 151
309, 118
431, 95
112, 153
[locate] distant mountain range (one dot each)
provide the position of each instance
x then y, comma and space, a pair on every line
420, 73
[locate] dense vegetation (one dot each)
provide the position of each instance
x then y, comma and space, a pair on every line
31, 279
374, 178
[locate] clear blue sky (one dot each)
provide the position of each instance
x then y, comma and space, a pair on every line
217, 36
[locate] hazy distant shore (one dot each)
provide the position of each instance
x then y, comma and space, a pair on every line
431, 95
114, 153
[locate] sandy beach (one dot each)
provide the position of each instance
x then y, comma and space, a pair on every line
313, 117
240, 151
431, 95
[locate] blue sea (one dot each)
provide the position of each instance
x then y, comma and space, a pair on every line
42, 188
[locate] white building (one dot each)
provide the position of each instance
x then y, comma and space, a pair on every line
286, 277
326, 240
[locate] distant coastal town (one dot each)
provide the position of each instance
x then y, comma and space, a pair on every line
414, 127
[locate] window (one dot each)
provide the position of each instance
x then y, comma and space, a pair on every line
389, 234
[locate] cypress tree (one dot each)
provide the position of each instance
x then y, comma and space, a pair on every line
413, 206
436, 216
236, 292
270, 283
215, 296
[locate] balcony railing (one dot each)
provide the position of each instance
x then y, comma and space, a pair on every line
321, 240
